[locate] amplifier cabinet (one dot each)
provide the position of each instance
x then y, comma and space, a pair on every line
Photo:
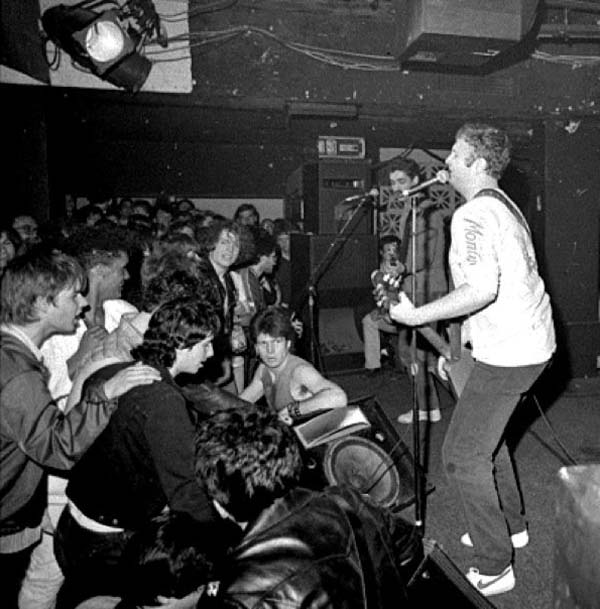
315, 190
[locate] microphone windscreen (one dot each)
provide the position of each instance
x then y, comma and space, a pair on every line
443, 176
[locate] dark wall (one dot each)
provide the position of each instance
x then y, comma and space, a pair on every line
571, 215
25, 160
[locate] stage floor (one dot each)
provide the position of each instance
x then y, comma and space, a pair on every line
568, 430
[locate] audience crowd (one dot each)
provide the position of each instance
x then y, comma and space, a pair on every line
140, 463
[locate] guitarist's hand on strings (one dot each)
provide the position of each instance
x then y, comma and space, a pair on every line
403, 311
389, 298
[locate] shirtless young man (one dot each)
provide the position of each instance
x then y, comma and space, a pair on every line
291, 385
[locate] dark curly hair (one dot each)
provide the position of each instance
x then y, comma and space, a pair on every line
176, 324
247, 458
170, 555
174, 275
409, 166
208, 236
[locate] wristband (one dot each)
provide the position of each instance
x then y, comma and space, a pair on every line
293, 409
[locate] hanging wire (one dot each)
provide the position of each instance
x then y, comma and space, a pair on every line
553, 433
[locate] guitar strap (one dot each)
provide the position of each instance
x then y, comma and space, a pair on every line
514, 210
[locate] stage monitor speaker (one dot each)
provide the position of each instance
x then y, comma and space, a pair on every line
459, 33
375, 461
362, 464
440, 583
315, 190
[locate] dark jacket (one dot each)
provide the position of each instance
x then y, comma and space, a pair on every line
330, 549
35, 434
223, 293
143, 461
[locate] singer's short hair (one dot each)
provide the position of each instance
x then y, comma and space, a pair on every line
489, 143
409, 166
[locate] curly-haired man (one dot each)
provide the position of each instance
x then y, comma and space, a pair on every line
142, 464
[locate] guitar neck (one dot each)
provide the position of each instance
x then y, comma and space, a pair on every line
378, 278
435, 340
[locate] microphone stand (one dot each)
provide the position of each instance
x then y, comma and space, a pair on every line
310, 292
414, 371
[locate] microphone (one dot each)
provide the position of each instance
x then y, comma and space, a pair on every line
372, 194
441, 177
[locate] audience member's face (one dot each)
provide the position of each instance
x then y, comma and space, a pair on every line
27, 228
125, 209
185, 206
283, 240
62, 313
7, 250
226, 250
268, 225
247, 217
142, 210
162, 221
192, 359
93, 219
113, 276
400, 180
268, 263
272, 351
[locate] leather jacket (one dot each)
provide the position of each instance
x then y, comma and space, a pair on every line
327, 549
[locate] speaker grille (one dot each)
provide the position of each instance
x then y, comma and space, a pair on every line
358, 462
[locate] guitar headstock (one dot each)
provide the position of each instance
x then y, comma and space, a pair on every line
387, 288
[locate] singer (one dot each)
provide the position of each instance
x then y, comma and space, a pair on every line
509, 326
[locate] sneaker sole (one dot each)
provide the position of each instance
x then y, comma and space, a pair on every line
488, 589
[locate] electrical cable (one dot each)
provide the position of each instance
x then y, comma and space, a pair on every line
553, 433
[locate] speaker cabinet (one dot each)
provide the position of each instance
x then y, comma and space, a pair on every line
315, 190
375, 461
346, 279
440, 583
344, 293
459, 33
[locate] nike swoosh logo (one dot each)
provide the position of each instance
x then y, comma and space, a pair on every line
482, 586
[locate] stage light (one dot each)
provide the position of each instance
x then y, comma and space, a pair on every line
102, 43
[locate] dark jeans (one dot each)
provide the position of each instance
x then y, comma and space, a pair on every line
477, 461
89, 561
12, 571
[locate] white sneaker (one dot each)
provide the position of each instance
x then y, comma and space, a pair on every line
488, 585
519, 540
424, 415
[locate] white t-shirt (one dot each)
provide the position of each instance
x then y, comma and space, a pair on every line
493, 250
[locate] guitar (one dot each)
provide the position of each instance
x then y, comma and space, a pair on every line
454, 369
